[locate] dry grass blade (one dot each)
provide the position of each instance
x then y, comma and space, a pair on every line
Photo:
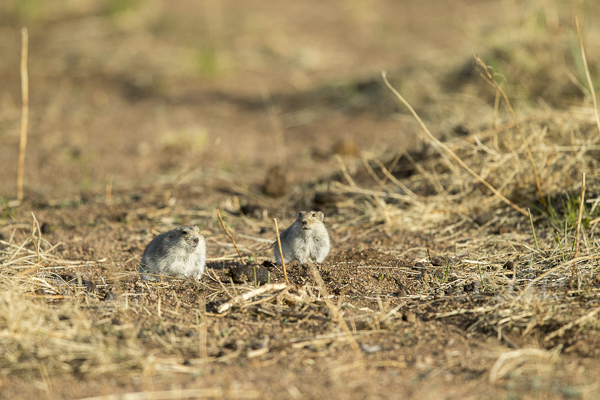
388, 175
502, 366
490, 79
393, 164
230, 237
375, 193
445, 148
36, 226
24, 113
371, 172
32, 332
382, 317
183, 394
578, 322
335, 312
587, 74
351, 182
354, 188
553, 270
581, 202
280, 251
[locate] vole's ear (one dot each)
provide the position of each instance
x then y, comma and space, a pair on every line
320, 216
300, 214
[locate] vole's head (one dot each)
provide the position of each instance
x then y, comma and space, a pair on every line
308, 218
188, 234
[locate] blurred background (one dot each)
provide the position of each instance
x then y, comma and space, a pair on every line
136, 93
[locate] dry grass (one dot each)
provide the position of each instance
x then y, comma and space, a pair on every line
464, 202
49, 321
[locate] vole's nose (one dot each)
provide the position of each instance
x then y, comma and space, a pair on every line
304, 222
195, 240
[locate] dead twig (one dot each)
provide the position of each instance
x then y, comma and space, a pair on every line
578, 322
519, 357
248, 295
230, 237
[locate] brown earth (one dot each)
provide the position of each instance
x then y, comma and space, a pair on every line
145, 115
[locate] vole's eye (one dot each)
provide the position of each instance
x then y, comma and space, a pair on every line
314, 215
184, 232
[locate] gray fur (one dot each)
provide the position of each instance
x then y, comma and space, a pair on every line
306, 239
175, 254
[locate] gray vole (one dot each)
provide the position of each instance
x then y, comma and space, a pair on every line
306, 239
180, 253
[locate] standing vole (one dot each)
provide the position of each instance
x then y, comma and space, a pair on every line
306, 239
180, 253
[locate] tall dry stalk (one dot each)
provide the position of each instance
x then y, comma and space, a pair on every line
587, 74
24, 112
230, 237
280, 251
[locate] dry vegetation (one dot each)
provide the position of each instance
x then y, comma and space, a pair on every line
465, 263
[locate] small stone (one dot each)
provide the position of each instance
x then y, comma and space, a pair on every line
246, 274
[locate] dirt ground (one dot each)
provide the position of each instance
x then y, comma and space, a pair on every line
147, 114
